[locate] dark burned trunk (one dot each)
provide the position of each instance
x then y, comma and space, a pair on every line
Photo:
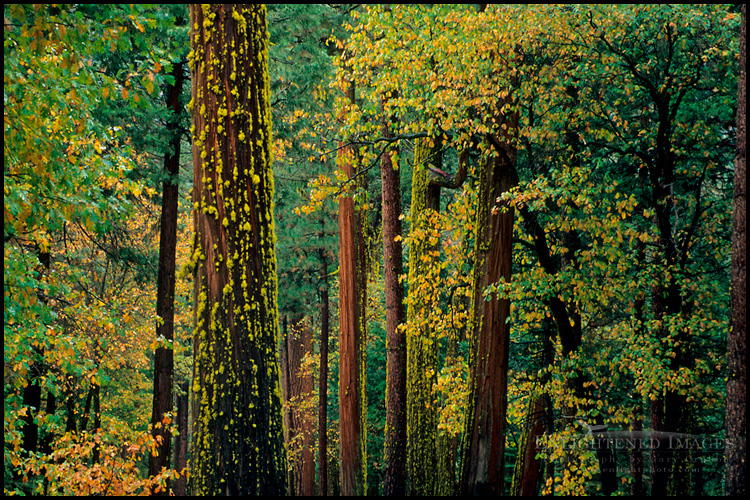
163, 358
736, 423
237, 440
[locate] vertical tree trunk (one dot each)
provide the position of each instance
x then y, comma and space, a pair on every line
285, 390
323, 375
421, 354
238, 442
297, 391
351, 339
395, 419
181, 443
736, 421
32, 393
32, 400
163, 358
484, 437
528, 469
636, 462
447, 445
97, 390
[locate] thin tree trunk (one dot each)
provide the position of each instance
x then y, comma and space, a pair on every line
96, 452
323, 375
736, 421
286, 377
298, 389
636, 462
528, 470
181, 442
163, 358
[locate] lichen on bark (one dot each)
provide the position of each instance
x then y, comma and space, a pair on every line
237, 438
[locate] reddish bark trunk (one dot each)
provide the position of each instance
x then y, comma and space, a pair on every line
483, 456
351, 294
237, 445
298, 387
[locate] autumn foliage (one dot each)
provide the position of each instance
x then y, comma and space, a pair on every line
555, 182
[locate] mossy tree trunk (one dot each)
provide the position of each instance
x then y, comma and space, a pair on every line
237, 439
421, 346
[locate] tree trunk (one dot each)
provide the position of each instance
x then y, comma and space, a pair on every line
395, 419
636, 461
323, 375
528, 470
297, 391
351, 333
484, 445
421, 354
736, 420
238, 441
181, 443
285, 390
163, 358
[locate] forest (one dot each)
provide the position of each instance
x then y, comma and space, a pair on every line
354, 249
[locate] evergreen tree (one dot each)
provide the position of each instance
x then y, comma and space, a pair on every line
237, 438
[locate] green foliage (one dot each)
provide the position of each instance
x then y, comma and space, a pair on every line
74, 251
624, 166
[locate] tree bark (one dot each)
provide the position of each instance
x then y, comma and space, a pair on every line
736, 420
484, 445
422, 347
351, 335
323, 375
181, 443
528, 470
297, 390
238, 441
163, 358
395, 420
